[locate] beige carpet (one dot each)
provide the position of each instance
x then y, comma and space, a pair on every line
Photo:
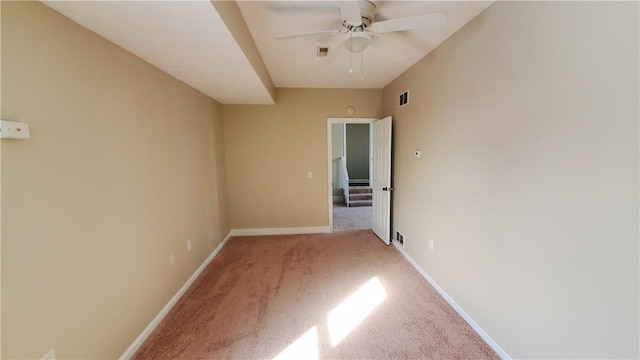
342, 295
351, 218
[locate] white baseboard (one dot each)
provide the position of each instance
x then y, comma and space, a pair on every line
280, 231
483, 334
165, 310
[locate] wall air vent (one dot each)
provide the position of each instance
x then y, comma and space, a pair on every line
322, 51
404, 98
400, 238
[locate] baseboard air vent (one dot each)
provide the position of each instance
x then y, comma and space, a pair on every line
400, 238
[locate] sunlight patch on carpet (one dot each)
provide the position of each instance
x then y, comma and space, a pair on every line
344, 318
305, 347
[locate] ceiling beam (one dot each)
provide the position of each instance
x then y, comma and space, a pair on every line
232, 18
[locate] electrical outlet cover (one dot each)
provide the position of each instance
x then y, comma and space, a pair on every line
51, 355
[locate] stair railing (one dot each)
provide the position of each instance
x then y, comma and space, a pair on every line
344, 179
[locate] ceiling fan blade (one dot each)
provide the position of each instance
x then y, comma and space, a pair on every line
397, 42
336, 48
307, 34
350, 11
410, 23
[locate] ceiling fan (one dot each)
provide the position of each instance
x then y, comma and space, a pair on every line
358, 26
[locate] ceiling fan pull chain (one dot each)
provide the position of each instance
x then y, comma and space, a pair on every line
362, 65
350, 56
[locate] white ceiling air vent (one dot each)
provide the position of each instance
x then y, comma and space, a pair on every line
404, 98
322, 51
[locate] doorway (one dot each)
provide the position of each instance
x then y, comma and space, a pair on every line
350, 173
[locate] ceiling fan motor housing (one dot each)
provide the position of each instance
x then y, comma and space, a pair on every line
367, 10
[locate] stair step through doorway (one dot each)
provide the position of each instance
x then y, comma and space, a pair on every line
360, 196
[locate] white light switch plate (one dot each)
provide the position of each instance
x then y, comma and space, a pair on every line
14, 130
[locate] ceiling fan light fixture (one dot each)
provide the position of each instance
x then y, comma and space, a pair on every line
357, 41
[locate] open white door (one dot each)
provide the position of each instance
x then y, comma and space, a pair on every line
382, 179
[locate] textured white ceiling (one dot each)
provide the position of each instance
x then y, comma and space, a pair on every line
293, 63
186, 39
189, 40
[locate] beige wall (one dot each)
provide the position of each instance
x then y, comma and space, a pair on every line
527, 119
270, 148
123, 166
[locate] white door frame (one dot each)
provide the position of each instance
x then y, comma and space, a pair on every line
331, 121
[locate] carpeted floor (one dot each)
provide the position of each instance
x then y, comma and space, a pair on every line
341, 295
351, 218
